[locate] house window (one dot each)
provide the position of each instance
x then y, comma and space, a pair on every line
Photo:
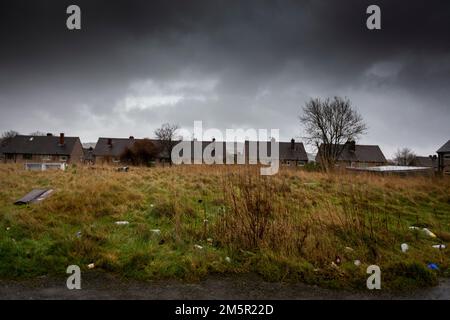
27, 156
63, 158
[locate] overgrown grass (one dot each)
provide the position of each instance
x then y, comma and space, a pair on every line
288, 227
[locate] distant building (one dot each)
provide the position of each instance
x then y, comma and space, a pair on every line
47, 148
444, 158
356, 155
430, 162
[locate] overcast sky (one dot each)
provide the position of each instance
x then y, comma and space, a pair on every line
232, 64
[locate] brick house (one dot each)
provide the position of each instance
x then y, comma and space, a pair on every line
49, 148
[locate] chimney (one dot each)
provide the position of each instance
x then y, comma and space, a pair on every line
292, 144
49, 135
61, 139
214, 140
110, 142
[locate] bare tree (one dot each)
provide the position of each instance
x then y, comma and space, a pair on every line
9, 134
166, 134
404, 157
328, 124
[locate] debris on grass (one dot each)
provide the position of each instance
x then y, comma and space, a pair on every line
8, 228
439, 246
429, 233
228, 259
349, 249
404, 247
78, 234
91, 266
196, 246
433, 266
156, 231
122, 222
123, 169
36, 195
210, 241
357, 263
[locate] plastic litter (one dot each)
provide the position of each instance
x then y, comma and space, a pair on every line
404, 247
228, 259
122, 222
91, 266
157, 231
198, 247
348, 249
357, 263
439, 246
429, 233
123, 169
78, 234
433, 266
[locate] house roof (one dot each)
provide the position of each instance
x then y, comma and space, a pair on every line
118, 146
42, 145
445, 147
362, 153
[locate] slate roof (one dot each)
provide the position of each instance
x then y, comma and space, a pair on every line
40, 145
444, 148
362, 153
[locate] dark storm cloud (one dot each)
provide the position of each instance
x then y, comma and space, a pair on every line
136, 64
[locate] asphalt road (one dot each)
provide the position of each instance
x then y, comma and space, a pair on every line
101, 286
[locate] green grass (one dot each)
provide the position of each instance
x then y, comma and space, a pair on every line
288, 227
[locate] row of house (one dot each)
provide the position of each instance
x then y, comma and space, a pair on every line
50, 148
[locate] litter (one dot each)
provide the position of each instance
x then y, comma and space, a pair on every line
198, 247
426, 230
348, 249
35, 195
357, 263
123, 169
338, 260
157, 231
8, 228
79, 234
209, 240
334, 265
122, 222
228, 259
404, 247
429, 233
439, 246
91, 266
433, 266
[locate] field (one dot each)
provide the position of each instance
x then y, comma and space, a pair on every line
295, 226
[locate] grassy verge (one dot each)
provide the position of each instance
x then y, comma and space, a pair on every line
288, 227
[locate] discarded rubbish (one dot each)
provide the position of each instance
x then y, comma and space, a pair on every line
122, 222
429, 233
157, 231
439, 246
357, 263
404, 247
91, 266
228, 259
425, 230
338, 260
209, 240
8, 228
433, 266
334, 265
78, 234
348, 249
35, 195
123, 169
198, 247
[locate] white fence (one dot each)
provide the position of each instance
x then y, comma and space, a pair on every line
45, 166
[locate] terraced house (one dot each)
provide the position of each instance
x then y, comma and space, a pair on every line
356, 155
49, 148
